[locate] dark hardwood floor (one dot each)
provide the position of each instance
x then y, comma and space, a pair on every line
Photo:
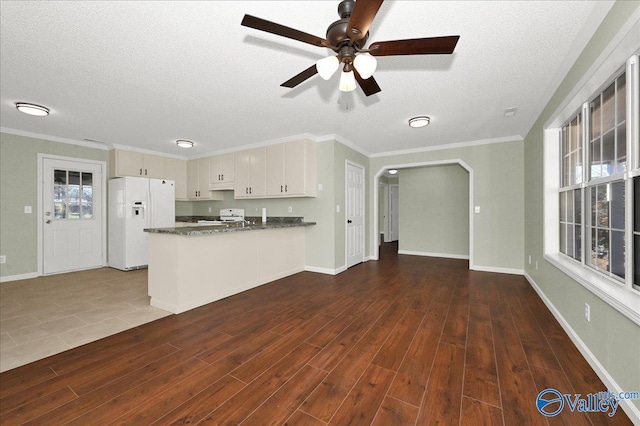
402, 341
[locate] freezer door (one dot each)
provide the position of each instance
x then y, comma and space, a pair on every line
162, 203
137, 218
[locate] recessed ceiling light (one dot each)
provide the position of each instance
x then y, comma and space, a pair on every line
420, 121
184, 143
393, 171
32, 109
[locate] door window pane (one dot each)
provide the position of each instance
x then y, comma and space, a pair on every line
72, 195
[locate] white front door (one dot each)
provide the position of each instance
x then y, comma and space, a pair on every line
355, 214
72, 215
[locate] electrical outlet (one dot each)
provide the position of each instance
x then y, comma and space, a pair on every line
209, 209
587, 312
290, 209
536, 265
3, 259
529, 259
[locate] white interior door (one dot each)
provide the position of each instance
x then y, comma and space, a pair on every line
72, 215
394, 217
355, 214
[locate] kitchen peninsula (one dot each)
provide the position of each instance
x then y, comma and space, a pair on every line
191, 266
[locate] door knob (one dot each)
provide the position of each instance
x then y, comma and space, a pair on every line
48, 221
349, 221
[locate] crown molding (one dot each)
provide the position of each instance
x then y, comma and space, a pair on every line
504, 139
96, 145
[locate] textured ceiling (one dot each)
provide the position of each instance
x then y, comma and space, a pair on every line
143, 74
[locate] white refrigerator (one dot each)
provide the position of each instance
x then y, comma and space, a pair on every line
136, 203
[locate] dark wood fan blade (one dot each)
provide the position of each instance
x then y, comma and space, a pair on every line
369, 86
304, 75
361, 18
416, 46
281, 30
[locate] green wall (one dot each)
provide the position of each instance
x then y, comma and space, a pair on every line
434, 210
612, 338
498, 188
18, 188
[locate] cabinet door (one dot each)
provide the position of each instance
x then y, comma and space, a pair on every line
228, 167
242, 165
192, 179
275, 170
294, 168
129, 163
203, 177
176, 170
258, 170
215, 170
154, 166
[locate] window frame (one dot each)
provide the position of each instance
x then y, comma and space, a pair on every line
623, 296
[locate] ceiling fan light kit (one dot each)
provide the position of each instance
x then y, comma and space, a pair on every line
327, 66
32, 109
366, 65
347, 81
421, 121
347, 37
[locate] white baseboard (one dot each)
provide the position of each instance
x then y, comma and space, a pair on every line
629, 408
428, 254
28, 276
497, 270
327, 271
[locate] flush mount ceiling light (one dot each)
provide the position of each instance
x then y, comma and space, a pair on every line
393, 171
184, 143
32, 109
420, 121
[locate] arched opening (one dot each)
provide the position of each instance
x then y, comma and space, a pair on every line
419, 202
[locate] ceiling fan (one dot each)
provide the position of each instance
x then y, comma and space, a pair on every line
347, 37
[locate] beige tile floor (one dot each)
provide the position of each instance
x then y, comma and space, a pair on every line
47, 315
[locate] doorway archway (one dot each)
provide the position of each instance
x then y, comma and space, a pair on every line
375, 184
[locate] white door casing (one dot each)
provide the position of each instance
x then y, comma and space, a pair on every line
394, 212
71, 214
355, 214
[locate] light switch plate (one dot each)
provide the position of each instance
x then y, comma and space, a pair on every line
27, 209
477, 209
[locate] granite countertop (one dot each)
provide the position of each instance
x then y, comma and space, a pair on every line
254, 224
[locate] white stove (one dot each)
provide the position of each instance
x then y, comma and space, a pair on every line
226, 216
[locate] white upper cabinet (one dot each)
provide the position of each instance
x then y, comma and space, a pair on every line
176, 170
250, 173
291, 169
198, 181
222, 171
131, 163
